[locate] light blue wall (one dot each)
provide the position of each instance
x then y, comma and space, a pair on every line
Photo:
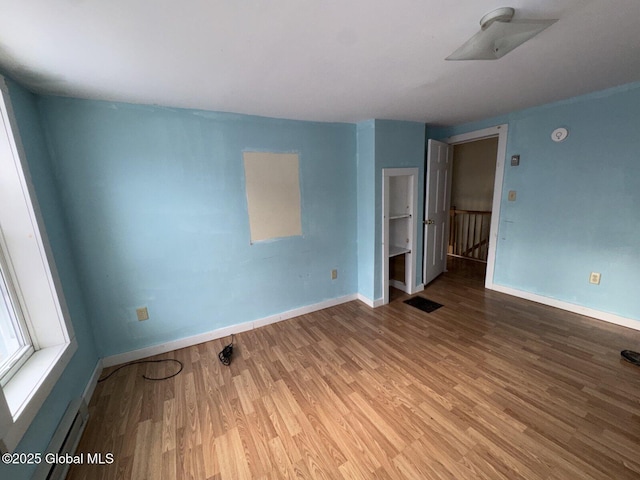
383, 144
398, 145
366, 207
158, 217
76, 376
578, 202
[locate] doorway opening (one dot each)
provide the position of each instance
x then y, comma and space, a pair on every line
477, 231
472, 184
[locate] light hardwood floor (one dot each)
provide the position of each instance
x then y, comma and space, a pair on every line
487, 387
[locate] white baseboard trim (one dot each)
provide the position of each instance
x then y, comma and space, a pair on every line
93, 381
296, 312
571, 307
379, 302
221, 332
371, 303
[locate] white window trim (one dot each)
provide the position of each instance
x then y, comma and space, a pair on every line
38, 288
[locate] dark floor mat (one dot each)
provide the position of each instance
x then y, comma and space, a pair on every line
631, 356
423, 304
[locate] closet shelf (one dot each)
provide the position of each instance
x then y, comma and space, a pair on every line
395, 251
399, 215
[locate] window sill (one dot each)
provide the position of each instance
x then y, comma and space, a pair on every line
28, 389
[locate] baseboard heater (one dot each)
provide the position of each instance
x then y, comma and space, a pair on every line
64, 441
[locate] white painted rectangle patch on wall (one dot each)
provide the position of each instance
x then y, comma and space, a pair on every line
273, 194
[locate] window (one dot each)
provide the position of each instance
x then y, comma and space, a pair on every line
15, 342
36, 337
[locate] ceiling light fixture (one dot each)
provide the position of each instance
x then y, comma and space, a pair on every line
499, 34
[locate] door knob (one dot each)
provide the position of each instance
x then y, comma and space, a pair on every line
429, 222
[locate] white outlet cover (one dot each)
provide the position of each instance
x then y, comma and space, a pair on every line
559, 134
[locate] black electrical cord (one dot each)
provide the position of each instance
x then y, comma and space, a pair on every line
631, 356
225, 354
147, 361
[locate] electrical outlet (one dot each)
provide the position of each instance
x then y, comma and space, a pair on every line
142, 313
594, 278
334, 274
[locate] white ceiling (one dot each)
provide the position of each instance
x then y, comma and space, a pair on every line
328, 60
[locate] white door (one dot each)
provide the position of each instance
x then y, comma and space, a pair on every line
436, 209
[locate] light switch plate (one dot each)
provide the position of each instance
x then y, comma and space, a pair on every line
515, 160
512, 196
